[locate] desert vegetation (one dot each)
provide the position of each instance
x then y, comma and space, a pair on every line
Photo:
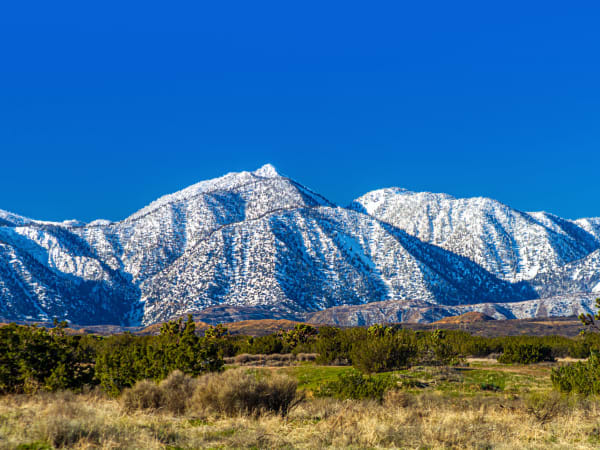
380, 386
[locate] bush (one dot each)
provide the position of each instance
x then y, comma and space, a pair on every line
239, 391
580, 377
355, 385
525, 353
68, 422
329, 345
396, 398
172, 394
177, 390
265, 345
545, 407
125, 359
437, 348
144, 395
305, 357
382, 354
34, 358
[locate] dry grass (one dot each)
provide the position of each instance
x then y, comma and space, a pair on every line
274, 360
240, 392
172, 394
404, 420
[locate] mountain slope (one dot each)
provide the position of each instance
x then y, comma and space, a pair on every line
314, 258
511, 244
260, 244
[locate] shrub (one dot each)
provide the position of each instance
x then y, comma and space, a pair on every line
239, 391
329, 345
34, 358
177, 390
172, 394
68, 422
397, 399
125, 359
306, 357
298, 336
544, 407
382, 354
37, 445
525, 353
144, 395
580, 377
355, 385
437, 348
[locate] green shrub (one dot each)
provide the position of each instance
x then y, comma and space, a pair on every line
525, 353
437, 348
355, 385
239, 391
37, 445
332, 346
298, 336
35, 358
580, 377
125, 359
264, 345
382, 354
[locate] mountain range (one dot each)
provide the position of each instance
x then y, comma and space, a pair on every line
260, 245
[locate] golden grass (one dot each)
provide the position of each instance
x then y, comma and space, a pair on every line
404, 420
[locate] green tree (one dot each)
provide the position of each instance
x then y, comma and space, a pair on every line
125, 359
217, 332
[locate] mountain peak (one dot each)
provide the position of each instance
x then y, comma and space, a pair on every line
267, 171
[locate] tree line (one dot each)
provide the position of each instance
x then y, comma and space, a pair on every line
35, 358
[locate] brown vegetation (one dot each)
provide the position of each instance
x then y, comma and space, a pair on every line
273, 360
470, 317
404, 420
239, 392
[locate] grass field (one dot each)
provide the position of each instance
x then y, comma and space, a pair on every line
481, 405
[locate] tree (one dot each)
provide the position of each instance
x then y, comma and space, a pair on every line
33, 358
125, 359
300, 334
590, 320
217, 332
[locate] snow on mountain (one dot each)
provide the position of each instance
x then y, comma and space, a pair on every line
393, 311
513, 245
8, 219
47, 271
154, 237
261, 241
315, 258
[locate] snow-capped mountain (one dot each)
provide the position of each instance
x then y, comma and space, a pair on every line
261, 240
513, 245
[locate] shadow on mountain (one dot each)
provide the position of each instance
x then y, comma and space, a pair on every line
66, 296
305, 275
471, 283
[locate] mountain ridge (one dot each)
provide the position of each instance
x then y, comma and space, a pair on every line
259, 239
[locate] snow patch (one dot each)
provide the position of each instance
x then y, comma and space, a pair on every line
266, 171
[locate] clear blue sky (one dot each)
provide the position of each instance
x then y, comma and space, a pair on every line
104, 108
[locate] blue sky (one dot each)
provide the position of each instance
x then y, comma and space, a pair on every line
104, 108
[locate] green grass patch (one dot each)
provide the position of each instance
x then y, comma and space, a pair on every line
487, 379
311, 377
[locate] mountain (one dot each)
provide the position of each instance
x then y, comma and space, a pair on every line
513, 245
260, 245
394, 311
